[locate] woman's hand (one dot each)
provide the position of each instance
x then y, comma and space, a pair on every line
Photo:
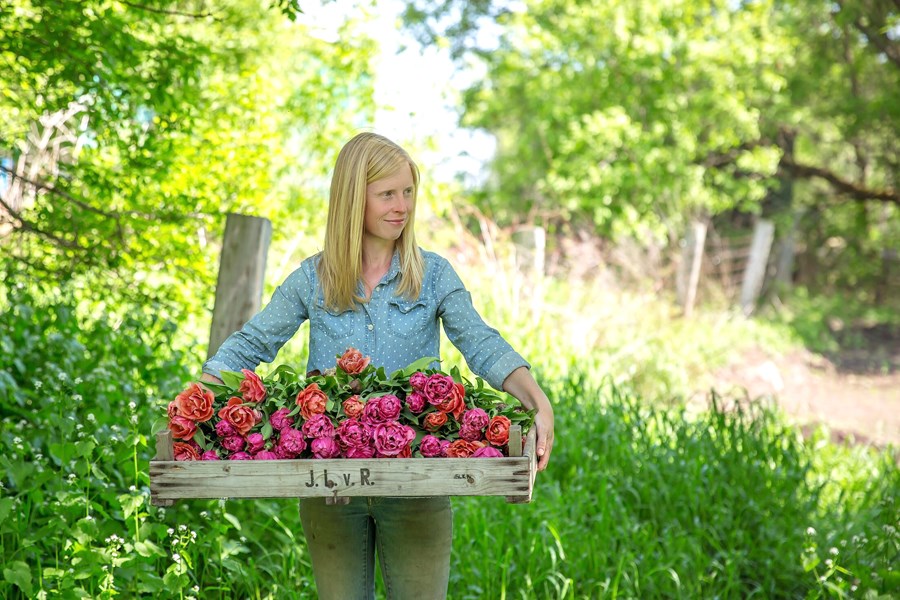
210, 378
522, 385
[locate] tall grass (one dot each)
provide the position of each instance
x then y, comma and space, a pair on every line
642, 500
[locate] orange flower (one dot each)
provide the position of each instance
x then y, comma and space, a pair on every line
242, 418
435, 420
252, 388
498, 430
185, 451
461, 449
312, 401
195, 403
353, 362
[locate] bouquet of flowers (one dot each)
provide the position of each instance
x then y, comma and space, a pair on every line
351, 411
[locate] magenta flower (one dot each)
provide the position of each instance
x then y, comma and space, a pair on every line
255, 443
280, 419
265, 455
418, 380
381, 410
352, 432
225, 429
318, 426
325, 447
359, 452
416, 402
438, 388
470, 433
475, 418
209, 455
487, 452
392, 437
240, 456
290, 443
234, 443
430, 447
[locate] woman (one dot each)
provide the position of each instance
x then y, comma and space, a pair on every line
373, 289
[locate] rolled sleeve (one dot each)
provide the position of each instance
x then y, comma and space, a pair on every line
486, 352
263, 335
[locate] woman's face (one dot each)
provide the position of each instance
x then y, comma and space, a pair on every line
389, 204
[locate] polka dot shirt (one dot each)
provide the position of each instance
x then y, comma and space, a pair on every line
391, 329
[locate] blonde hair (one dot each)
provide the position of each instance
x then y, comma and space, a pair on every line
366, 158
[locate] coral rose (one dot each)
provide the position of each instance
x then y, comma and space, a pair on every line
195, 403
185, 451
252, 388
242, 418
353, 362
435, 420
454, 405
461, 449
353, 406
182, 428
498, 430
312, 401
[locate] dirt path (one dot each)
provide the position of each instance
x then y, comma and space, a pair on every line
844, 392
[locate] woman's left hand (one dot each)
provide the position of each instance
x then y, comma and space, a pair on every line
521, 384
543, 421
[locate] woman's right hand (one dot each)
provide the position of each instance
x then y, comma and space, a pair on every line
210, 379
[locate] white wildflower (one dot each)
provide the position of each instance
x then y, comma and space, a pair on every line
810, 531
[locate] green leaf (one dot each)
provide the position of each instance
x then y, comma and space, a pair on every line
18, 574
5, 506
267, 430
148, 549
84, 448
200, 438
232, 380
420, 365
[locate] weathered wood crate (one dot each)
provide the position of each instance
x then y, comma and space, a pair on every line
339, 479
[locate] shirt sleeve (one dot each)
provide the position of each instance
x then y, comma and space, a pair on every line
263, 335
486, 352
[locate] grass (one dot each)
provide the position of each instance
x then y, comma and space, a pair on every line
643, 499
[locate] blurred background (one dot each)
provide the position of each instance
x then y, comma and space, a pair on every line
683, 213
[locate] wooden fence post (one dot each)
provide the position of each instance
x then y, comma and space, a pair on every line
242, 269
755, 274
691, 261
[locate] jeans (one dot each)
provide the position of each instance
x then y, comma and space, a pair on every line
413, 537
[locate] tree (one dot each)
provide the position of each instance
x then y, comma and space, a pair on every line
635, 114
133, 126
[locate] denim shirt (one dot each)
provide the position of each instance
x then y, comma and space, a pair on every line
391, 329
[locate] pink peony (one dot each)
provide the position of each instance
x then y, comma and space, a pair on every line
487, 452
430, 447
265, 455
280, 419
438, 388
290, 443
352, 432
359, 452
418, 381
318, 426
210, 455
381, 410
470, 433
416, 402
392, 437
325, 447
240, 456
224, 429
475, 418
234, 443
252, 388
255, 443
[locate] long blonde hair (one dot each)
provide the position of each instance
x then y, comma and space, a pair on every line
366, 158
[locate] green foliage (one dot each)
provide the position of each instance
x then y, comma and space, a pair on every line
181, 117
639, 501
638, 115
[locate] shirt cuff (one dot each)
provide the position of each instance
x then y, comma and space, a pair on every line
501, 369
214, 368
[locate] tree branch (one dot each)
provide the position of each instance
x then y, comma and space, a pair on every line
854, 190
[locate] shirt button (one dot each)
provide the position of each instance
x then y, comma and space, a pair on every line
370, 326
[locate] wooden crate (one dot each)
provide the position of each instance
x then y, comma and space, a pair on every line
339, 479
